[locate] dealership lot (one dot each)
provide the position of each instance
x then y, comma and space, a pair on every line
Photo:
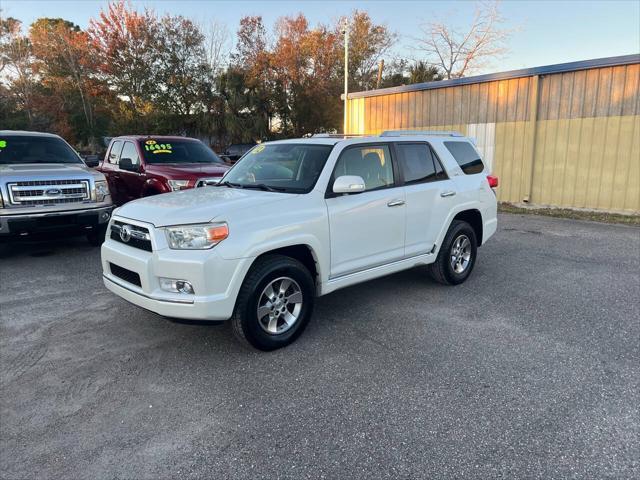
530, 368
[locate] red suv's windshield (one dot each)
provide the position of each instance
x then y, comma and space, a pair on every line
159, 151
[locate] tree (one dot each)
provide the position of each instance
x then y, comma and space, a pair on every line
16, 67
368, 44
63, 62
181, 70
459, 53
125, 45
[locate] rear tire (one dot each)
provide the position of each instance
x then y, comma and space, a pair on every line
274, 304
457, 256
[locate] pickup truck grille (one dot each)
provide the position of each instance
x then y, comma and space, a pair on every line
48, 192
132, 235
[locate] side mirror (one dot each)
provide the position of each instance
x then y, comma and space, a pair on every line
349, 184
127, 164
92, 160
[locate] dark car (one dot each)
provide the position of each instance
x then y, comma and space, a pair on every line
139, 166
235, 151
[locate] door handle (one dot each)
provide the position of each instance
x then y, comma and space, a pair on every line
450, 193
395, 203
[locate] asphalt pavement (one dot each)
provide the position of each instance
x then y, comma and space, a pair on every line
531, 369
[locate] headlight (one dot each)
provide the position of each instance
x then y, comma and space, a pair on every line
177, 184
102, 190
196, 237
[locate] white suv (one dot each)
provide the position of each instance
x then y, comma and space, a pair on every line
295, 219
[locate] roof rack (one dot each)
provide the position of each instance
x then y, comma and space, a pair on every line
428, 133
338, 135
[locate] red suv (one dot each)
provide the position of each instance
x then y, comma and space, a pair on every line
139, 166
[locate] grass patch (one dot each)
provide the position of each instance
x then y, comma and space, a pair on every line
593, 216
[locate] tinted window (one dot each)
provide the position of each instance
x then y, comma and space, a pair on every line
290, 167
177, 151
417, 162
15, 149
114, 153
466, 156
372, 163
129, 151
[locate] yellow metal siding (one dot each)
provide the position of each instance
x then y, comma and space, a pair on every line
567, 139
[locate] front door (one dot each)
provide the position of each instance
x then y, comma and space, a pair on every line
367, 229
131, 181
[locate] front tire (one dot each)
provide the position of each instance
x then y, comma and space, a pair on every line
457, 256
275, 303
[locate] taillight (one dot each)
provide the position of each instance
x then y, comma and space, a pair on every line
493, 181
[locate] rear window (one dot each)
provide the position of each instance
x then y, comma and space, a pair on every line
466, 156
21, 149
418, 163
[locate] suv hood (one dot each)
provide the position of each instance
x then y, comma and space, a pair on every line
189, 169
197, 205
46, 170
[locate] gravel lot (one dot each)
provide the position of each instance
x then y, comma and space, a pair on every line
530, 369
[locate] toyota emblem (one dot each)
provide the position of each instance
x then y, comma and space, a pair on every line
125, 233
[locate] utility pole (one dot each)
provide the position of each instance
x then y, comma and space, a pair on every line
345, 31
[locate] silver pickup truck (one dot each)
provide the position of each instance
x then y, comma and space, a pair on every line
45, 186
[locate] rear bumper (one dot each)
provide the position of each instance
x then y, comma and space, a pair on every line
71, 220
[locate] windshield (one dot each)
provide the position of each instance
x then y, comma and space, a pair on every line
21, 149
287, 167
177, 151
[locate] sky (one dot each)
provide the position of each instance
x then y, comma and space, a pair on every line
545, 31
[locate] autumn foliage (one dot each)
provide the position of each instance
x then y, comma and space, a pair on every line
133, 71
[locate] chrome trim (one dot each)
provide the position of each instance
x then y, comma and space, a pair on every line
150, 297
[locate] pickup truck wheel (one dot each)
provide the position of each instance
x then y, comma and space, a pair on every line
457, 256
96, 236
275, 303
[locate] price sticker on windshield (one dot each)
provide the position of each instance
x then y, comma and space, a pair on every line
155, 147
258, 149
3, 144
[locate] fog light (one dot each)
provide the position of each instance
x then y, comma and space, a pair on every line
176, 286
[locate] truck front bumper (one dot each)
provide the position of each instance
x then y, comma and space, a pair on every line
13, 225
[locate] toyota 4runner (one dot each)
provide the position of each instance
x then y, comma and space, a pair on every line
295, 219
45, 186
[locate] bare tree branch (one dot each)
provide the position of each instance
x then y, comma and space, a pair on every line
484, 40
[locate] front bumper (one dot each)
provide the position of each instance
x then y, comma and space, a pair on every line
216, 281
69, 220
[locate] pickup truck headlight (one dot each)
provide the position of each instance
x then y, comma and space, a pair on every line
175, 185
196, 237
102, 190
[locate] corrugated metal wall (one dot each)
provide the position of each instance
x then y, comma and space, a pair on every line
568, 139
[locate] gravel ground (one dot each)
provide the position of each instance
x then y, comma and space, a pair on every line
529, 369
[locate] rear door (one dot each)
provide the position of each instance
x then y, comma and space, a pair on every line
110, 170
367, 229
430, 195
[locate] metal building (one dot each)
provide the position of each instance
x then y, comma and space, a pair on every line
565, 135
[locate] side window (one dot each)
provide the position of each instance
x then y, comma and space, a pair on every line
371, 162
130, 151
466, 156
417, 163
114, 152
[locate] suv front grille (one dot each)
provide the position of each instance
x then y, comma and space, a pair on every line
132, 235
48, 192
124, 274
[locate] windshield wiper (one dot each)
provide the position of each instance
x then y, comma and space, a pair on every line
264, 186
228, 184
